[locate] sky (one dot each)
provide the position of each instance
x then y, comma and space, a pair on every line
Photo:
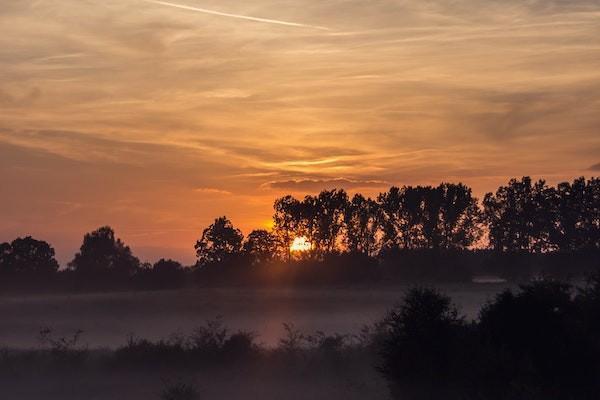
155, 117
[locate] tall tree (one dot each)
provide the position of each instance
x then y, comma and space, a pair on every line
521, 216
459, 224
219, 242
324, 218
287, 221
362, 225
402, 217
394, 222
442, 217
101, 251
578, 225
261, 246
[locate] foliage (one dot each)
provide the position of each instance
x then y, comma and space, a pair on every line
207, 344
261, 246
101, 251
412, 233
179, 391
64, 349
164, 274
361, 219
533, 217
219, 242
419, 346
443, 217
537, 343
27, 256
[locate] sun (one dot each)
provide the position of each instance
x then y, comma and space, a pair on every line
301, 244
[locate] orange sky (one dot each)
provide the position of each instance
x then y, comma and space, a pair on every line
155, 117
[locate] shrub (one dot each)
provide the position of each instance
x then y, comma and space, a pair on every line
420, 344
239, 345
179, 391
64, 350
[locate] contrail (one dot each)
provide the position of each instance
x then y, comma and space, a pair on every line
222, 14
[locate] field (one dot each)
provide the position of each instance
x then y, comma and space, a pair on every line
108, 319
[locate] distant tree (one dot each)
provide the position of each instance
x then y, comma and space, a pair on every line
402, 218
5, 254
102, 252
442, 217
570, 233
458, 217
287, 222
521, 216
164, 267
261, 246
324, 217
219, 242
592, 213
578, 226
27, 256
168, 272
362, 225
392, 221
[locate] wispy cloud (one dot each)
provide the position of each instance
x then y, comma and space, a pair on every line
215, 191
303, 185
238, 16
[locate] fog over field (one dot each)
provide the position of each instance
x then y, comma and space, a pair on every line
107, 319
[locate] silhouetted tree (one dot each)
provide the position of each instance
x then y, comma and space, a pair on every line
362, 225
261, 246
219, 242
588, 300
287, 222
27, 256
536, 346
459, 217
164, 274
324, 218
169, 270
521, 216
396, 222
5, 255
443, 217
578, 226
419, 344
102, 252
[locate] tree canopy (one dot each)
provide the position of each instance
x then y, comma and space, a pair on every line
27, 256
102, 251
219, 242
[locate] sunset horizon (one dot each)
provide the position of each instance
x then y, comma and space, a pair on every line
300, 199
156, 117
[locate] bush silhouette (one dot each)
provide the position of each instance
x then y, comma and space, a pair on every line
420, 344
179, 391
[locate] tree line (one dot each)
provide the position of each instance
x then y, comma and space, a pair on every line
523, 218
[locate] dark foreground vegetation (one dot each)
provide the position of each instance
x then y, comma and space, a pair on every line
541, 341
410, 234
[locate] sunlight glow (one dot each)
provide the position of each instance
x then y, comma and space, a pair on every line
301, 244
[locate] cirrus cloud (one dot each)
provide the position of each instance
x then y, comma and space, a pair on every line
310, 185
